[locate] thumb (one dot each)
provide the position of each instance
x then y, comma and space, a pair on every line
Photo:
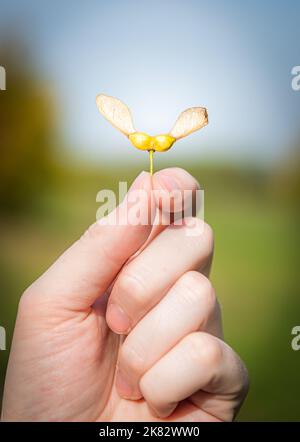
85, 271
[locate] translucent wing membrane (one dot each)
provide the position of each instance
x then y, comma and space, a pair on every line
116, 112
189, 121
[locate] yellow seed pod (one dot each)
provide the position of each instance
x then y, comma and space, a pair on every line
118, 114
159, 143
141, 141
162, 143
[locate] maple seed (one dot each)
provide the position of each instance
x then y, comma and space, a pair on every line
119, 115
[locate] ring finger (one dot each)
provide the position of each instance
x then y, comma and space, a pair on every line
190, 305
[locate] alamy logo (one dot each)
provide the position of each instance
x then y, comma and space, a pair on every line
139, 207
296, 78
2, 79
296, 340
2, 338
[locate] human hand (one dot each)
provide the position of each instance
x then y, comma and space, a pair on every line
110, 334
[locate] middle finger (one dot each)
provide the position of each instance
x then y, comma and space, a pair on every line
146, 279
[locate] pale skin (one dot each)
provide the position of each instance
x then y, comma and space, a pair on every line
109, 334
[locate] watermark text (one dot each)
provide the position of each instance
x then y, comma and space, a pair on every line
296, 340
296, 78
2, 78
155, 207
2, 339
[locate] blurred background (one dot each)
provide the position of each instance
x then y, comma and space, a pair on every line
160, 57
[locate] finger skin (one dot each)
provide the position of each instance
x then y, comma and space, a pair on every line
168, 185
145, 280
88, 267
190, 305
199, 362
172, 182
84, 271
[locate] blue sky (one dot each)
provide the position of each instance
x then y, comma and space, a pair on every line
160, 57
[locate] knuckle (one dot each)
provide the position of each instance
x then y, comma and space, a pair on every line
150, 392
131, 288
212, 353
155, 397
198, 288
93, 232
242, 380
205, 349
130, 359
28, 297
245, 384
24, 302
201, 234
31, 301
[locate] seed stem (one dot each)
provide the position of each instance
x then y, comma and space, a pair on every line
151, 152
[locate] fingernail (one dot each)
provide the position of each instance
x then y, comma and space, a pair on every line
123, 385
118, 321
168, 182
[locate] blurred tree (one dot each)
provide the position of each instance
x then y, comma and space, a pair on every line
26, 129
